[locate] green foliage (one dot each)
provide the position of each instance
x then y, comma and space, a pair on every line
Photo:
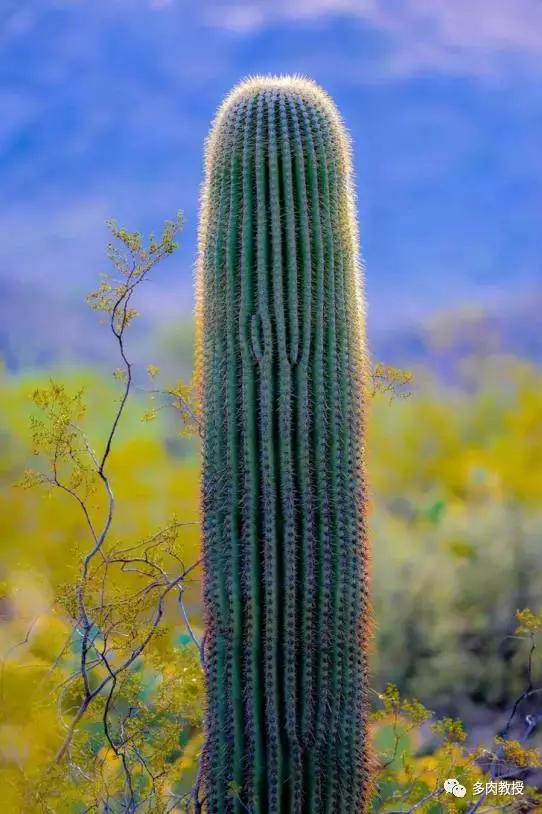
284, 531
436, 438
391, 380
133, 260
456, 478
529, 622
128, 705
413, 765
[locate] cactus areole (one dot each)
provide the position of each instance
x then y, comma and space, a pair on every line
281, 371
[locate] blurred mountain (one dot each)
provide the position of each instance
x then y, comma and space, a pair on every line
444, 340
40, 328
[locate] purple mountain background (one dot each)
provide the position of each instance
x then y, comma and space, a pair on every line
105, 107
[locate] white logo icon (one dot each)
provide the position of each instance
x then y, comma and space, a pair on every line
453, 786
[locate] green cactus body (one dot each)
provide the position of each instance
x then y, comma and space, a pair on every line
281, 368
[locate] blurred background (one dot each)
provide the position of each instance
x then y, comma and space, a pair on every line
105, 108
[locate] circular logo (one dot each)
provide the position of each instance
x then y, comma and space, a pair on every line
453, 786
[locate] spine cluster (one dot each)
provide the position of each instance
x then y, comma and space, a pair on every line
281, 358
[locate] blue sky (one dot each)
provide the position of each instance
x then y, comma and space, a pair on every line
105, 105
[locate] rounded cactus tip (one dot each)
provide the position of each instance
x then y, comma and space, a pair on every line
296, 84
308, 92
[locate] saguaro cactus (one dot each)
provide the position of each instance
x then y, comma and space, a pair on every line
281, 370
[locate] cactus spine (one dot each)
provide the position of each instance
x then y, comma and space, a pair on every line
281, 367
